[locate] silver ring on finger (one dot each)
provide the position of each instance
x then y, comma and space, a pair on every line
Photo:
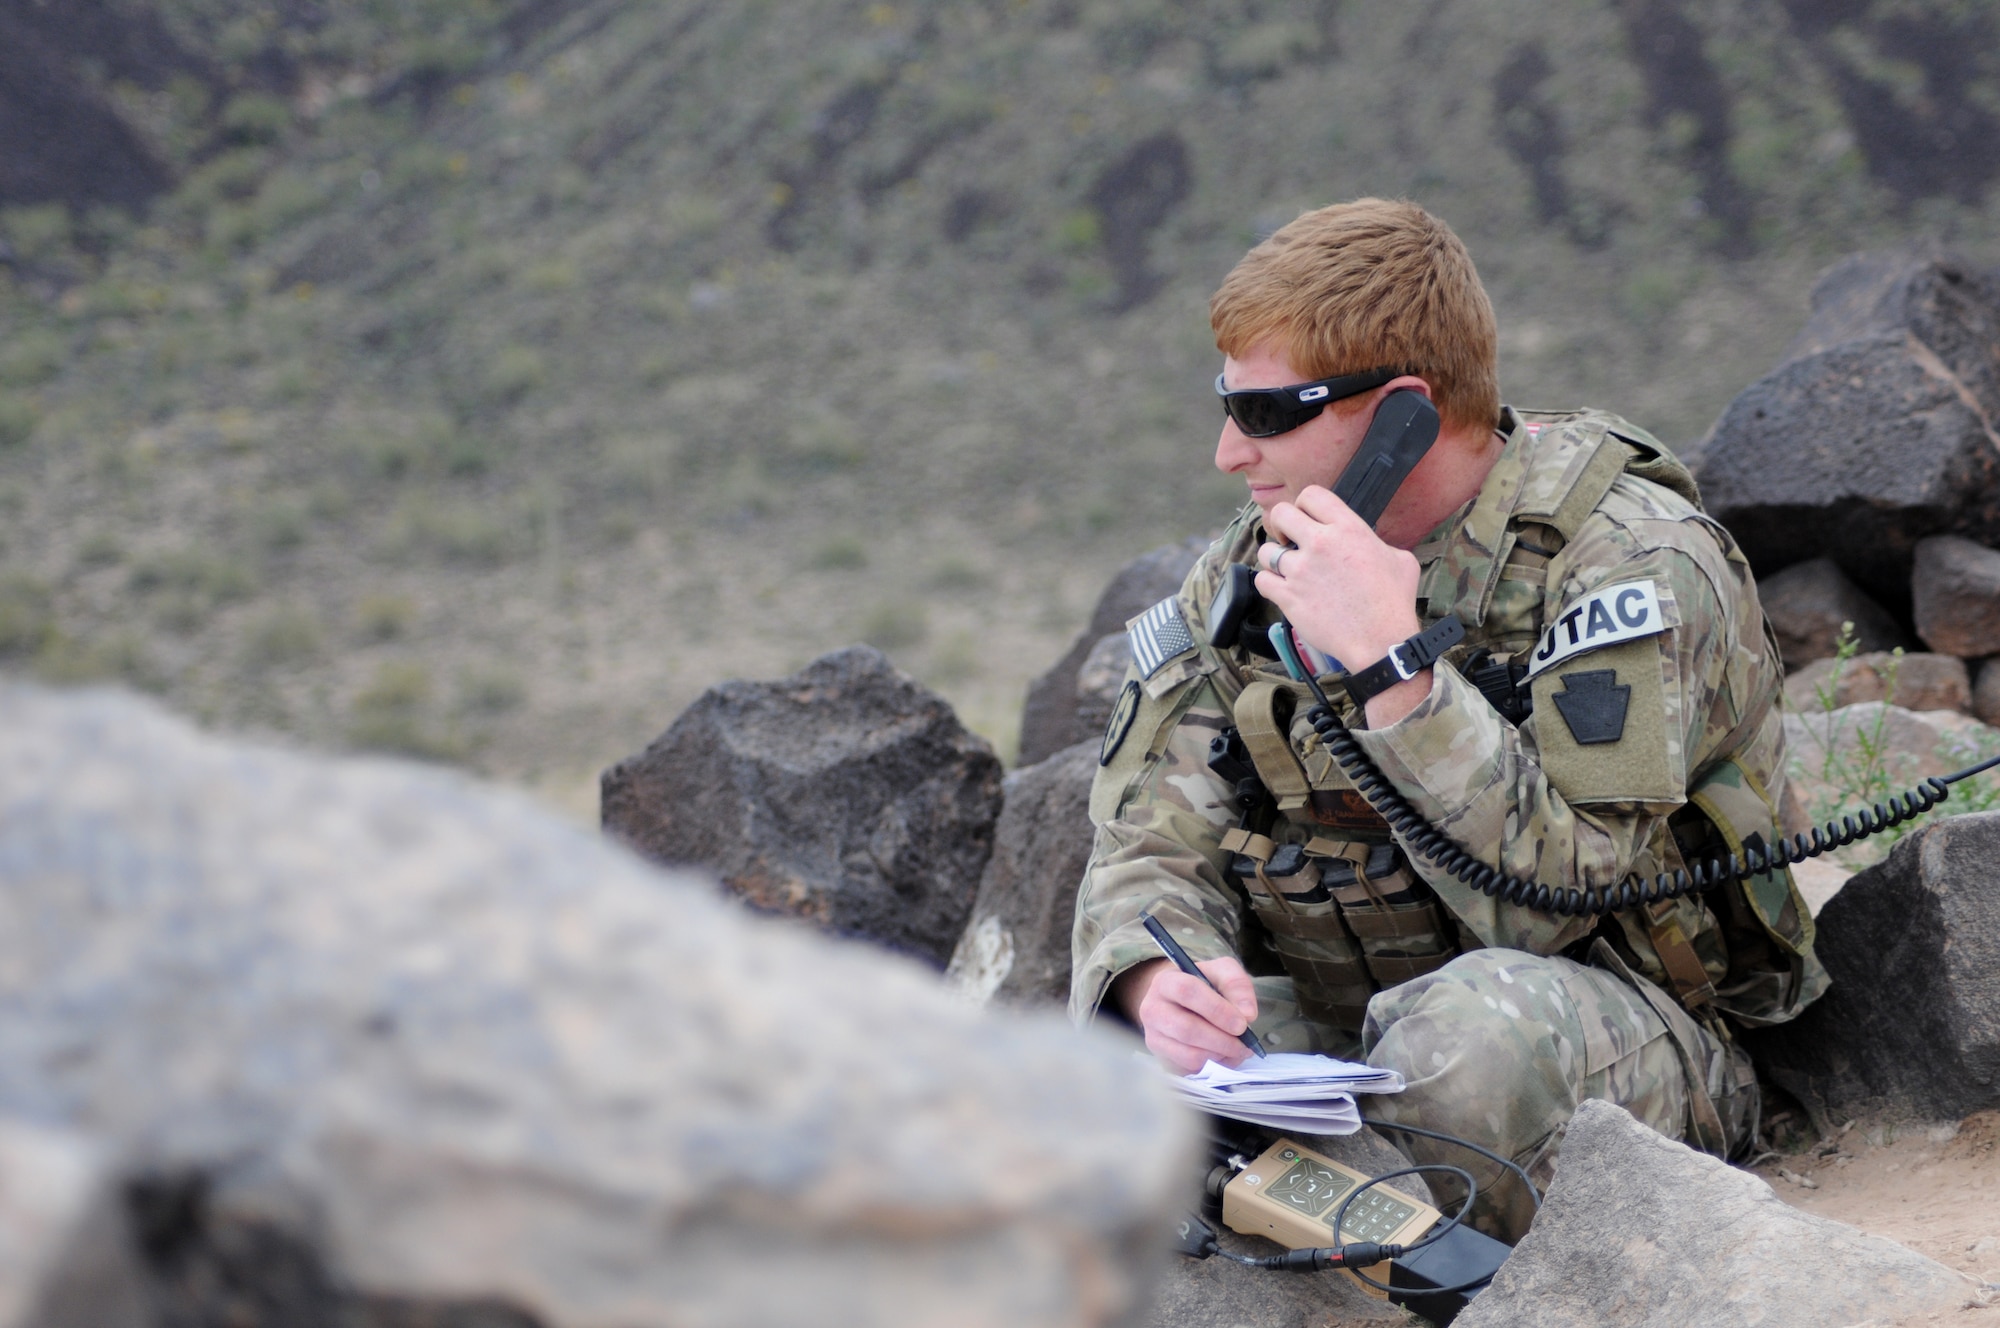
1277, 558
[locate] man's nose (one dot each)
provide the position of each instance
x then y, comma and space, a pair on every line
1233, 451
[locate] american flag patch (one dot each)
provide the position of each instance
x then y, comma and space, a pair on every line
1159, 635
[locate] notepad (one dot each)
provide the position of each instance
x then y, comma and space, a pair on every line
1287, 1091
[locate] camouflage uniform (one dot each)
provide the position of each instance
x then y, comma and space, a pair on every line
1649, 744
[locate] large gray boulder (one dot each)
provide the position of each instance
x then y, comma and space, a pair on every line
1875, 430
847, 794
1016, 950
1051, 719
1955, 596
1807, 604
1643, 1232
366, 1044
1911, 1026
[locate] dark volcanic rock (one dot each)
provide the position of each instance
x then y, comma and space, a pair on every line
1954, 310
1644, 1232
1911, 1025
1955, 596
1049, 720
360, 1043
1807, 603
1875, 431
847, 794
1016, 949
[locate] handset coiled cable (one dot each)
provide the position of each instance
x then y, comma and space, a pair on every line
1438, 848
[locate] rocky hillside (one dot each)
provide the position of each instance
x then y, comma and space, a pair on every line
482, 380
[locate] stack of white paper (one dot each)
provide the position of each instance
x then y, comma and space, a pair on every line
1287, 1091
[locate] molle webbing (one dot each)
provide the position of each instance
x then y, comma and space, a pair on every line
1267, 735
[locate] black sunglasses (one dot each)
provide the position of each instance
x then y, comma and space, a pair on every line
1264, 412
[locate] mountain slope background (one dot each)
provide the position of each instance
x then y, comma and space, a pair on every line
482, 380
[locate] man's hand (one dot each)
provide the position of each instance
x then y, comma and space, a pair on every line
1345, 590
1186, 1023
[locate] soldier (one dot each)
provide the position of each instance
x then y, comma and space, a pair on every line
1611, 710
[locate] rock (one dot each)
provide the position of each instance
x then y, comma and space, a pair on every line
847, 794
1911, 1026
1986, 691
1808, 602
373, 1045
1952, 309
1912, 745
1049, 720
1016, 949
1955, 593
1218, 1293
1641, 1231
1923, 682
1819, 879
67, 1259
1875, 431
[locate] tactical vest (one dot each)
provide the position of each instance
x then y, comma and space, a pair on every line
1344, 910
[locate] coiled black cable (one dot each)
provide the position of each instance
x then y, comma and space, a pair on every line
1567, 901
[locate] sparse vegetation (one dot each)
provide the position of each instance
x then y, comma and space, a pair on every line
635, 381
1858, 767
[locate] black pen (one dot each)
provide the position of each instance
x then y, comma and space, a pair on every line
1187, 965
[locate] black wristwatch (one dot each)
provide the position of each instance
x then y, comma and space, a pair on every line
1405, 661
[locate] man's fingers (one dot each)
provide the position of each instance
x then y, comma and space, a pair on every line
1320, 505
1181, 992
1234, 982
1183, 1059
1202, 1044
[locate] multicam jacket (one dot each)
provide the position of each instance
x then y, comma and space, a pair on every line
1654, 739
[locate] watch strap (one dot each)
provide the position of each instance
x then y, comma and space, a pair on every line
1406, 661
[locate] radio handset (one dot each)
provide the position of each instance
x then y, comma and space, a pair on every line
1404, 427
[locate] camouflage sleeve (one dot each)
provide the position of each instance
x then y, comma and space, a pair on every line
1556, 800
1158, 849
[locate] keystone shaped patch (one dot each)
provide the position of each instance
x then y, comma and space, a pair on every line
1593, 704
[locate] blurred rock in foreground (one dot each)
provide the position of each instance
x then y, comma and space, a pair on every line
362, 1043
847, 794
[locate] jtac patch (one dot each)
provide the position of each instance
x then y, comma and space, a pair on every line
1593, 704
1604, 617
1159, 634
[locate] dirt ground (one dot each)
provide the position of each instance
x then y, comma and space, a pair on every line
1933, 1188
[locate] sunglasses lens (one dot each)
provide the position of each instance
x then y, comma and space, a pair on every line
1263, 414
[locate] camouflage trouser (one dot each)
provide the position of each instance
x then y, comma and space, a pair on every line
1500, 1046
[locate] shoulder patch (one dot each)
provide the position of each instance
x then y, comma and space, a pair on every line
1122, 715
1158, 635
1593, 703
1624, 612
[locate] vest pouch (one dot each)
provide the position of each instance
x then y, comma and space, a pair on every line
1284, 885
1732, 800
1735, 804
1402, 931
